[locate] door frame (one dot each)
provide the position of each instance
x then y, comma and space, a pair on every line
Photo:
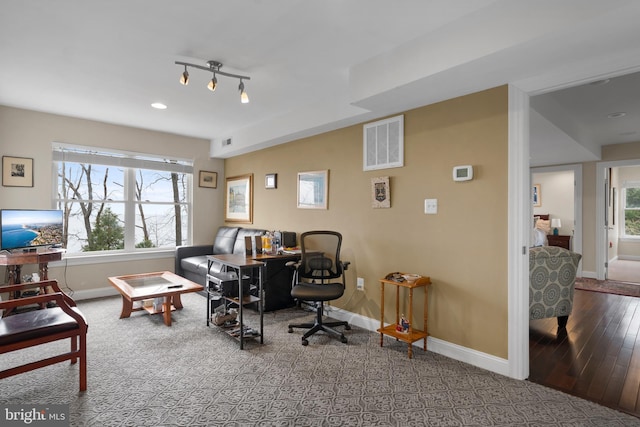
577, 202
601, 240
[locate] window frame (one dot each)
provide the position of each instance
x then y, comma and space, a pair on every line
623, 223
131, 163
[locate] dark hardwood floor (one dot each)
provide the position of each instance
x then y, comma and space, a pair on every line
598, 357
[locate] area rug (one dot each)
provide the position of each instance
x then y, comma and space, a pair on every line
608, 286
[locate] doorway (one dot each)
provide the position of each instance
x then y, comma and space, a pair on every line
621, 234
561, 198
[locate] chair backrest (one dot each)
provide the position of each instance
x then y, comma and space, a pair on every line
320, 260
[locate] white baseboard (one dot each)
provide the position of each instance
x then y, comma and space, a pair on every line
589, 274
93, 293
453, 351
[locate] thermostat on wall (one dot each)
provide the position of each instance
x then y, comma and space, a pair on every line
463, 173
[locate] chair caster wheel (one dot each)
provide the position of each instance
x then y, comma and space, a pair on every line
343, 339
347, 328
305, 342
290, 330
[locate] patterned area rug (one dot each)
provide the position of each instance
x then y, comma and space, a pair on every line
608, 286
143, 373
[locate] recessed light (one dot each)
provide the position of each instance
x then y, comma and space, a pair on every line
159, 106
616, 115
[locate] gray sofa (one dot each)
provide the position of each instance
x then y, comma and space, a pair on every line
191, 261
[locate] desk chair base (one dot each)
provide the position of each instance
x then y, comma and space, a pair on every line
320, 325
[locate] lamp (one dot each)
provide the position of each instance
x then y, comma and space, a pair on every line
184, 79
214, 67
244, 98
556, 223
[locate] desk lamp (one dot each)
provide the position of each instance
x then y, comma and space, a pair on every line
556, 223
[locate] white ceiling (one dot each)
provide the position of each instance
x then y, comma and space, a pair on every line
320, 65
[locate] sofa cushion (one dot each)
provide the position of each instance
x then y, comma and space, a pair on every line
199, 264
225, 240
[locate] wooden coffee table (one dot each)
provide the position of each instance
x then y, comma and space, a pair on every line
162, 284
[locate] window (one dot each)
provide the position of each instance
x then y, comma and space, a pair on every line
631, 202
118, 201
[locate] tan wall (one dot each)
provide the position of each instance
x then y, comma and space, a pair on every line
29, 134
463, 248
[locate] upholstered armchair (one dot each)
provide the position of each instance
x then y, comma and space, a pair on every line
552, 277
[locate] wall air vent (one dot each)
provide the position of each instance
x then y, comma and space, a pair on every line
383, 146
226, 142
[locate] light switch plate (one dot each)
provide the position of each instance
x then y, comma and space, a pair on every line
431, 206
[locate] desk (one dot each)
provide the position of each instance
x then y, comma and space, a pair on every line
241, 264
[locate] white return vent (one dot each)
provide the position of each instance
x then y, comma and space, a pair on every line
384, 144
226, 142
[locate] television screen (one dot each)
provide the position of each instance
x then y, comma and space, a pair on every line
24, 228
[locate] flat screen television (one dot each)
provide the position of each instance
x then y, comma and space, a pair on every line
30, 228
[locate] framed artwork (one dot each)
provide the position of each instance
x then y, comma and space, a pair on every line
17, 171
239, 199
537, 196
380, 192
313, 189
271, 180
208, 179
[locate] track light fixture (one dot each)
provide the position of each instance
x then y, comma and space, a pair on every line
184, 79
214, 67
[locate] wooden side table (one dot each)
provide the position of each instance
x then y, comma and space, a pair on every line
411, 335
559, 240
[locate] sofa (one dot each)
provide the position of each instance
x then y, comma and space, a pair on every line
191, 263
552, 277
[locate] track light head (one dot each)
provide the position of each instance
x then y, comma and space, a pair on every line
184, 79
244, 98
213, 84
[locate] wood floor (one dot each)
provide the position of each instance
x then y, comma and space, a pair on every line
598, 357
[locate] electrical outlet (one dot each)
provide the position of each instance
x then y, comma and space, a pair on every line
360, 284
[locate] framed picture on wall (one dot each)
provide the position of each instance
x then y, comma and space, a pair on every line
17, 171
239, 199
537, 196
271, 180
208, 179
380, 192
313, 189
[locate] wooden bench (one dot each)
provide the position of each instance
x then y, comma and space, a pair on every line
56, 318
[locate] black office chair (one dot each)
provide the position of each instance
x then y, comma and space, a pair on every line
317, 276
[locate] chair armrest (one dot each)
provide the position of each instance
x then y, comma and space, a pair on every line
22, 286
59, 298
345, 264
189, 251
53, 284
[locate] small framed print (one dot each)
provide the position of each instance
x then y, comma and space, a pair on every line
271, 180
537, 196
208, 179
380, 192
17, 171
